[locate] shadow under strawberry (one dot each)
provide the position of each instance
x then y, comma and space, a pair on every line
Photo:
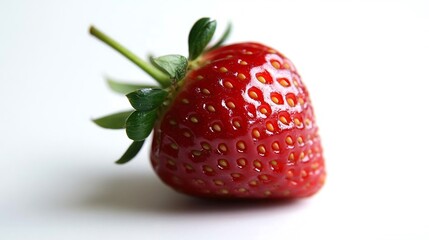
145, 194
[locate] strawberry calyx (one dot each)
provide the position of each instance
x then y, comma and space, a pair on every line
147, 100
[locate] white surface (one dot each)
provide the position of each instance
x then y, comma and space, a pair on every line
365, 64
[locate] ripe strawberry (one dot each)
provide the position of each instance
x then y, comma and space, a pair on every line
233, 121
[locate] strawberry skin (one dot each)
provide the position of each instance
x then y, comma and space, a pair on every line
241, 124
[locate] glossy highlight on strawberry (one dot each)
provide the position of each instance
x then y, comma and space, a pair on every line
236, 123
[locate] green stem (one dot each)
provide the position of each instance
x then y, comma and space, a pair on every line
162, 78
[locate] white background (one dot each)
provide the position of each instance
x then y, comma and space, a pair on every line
365, 64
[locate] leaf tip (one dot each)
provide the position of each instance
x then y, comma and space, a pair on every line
130, 153
200, 35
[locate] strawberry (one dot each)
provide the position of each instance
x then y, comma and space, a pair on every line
231, 121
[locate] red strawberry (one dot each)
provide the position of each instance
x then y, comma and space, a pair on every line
235, 121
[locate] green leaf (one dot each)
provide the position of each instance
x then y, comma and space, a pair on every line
200, 35
173, 65
225, 36
113, 121
139, 124
147, 99
125, 88
131, 152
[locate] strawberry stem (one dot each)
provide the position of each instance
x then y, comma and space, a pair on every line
162, 78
